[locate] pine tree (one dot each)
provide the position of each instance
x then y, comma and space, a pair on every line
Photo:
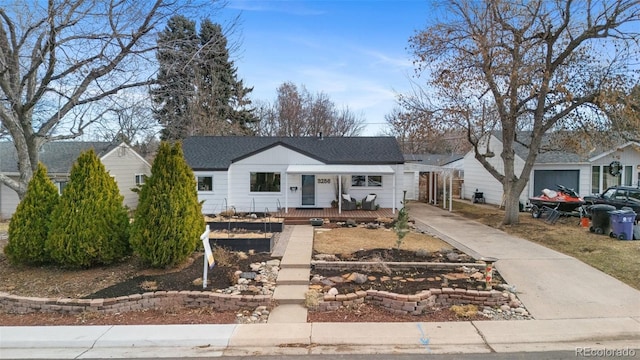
90, 224
198, 92
168, 220
30, 223
177, 45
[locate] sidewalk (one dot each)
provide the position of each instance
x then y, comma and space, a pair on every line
575, 306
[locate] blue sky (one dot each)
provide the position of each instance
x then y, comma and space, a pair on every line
355, 51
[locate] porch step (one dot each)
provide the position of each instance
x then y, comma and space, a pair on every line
296, 221
293, 276
290, 294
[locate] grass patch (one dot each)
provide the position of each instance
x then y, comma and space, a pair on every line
614, 257
348, 240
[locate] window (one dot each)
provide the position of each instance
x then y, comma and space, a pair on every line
595, 179
265, 182
366, 180
61, 185
205, 183
140, 179
628, 174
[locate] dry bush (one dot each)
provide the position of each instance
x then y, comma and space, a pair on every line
464, 311
223, 256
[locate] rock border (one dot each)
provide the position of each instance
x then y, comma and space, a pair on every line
150, 300
415, 304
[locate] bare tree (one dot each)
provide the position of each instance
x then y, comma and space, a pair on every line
533, 65
297, 112
62, 63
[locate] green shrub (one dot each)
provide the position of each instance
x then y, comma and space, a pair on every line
90, 225
30, 223
168, 220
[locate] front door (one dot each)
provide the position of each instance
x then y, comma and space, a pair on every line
308, 190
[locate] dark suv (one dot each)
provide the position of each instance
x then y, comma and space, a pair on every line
618, 196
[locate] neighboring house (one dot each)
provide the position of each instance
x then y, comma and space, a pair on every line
121, 161
269, 173
586, 174
425, 175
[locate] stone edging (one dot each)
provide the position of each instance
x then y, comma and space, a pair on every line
150, 300
415, 304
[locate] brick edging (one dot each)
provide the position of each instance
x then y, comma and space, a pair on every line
414, 304
149, 300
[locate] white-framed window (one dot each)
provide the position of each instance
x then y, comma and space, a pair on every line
61, 185
265, 182
140, 179
205, 183
366, 180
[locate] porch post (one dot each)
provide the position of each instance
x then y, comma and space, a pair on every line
286, 192
444, 190
431, 180
393, 208
339, 194
451, 191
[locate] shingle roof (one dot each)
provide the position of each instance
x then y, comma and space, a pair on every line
57, 156
432, 159
219, 152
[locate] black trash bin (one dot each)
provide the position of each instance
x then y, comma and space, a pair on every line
600, 218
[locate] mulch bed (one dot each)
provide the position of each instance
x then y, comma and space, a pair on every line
220, 277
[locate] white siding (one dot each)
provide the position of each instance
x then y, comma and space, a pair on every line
123, 163
8, 201
477, 177
411, 183
276, 160
628, 156
215, 201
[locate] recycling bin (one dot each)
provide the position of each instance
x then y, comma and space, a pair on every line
622, 224
600, 222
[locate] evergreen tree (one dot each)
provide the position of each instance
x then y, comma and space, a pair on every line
223, 98
90, 225
30, 223
168, 220
177, 45
198, 92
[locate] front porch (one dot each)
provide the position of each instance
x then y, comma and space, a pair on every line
302, 216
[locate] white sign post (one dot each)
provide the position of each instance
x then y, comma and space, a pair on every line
208, 256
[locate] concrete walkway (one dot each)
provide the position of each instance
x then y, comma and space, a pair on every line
576, 307
293, 278
550, 284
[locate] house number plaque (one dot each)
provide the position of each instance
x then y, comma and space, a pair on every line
324, 181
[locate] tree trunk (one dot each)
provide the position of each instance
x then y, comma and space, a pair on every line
511, 207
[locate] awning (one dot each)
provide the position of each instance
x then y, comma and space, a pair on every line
340, 169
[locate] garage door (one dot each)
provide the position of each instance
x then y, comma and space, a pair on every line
549, 179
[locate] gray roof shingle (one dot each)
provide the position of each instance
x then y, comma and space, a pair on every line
57, 156
219, 152
432, 159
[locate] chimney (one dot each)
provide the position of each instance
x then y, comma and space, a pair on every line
320, 135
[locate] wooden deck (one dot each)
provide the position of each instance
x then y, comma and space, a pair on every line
302, 216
